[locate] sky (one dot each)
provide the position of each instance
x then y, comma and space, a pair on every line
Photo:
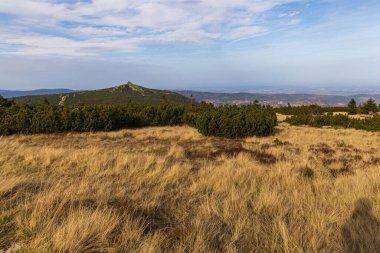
189, 44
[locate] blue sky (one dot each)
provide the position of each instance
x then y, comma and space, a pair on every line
189, 44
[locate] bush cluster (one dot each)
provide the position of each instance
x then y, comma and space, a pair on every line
27, 119
227, 121
369, 107
368, 124
309, 109
237, 122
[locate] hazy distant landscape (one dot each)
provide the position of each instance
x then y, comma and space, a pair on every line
121, 94
16, 93
218, 98
277, 100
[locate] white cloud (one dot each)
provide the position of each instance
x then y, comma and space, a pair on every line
82, 27
289, 14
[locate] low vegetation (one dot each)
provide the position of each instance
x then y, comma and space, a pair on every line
170, 189
237, 122
370, 107
307, 109
226, 121
368, 124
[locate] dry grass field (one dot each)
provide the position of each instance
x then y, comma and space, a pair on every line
171, 190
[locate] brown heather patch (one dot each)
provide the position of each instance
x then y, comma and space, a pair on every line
374, 161
168, 189
265, 146
233, 149
322, 148
341, 172
328, 161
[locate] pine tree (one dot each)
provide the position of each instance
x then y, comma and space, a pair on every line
370, 107
352, 107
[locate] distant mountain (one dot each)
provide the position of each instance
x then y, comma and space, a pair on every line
276, 100
116, 95
14, 93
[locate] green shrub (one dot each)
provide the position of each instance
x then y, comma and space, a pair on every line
6, 102
278, 142
237, 122
302, 110
352, 107
368, 124
369, 107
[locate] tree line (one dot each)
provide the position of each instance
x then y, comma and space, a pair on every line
226, 121
369, 107
371, 123
339, 120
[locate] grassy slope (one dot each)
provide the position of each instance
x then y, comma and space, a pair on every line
172, 190
117, 95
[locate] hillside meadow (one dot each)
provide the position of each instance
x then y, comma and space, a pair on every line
169, 189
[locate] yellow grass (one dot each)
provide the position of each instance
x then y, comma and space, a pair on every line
355, 116
281, 117
172, 190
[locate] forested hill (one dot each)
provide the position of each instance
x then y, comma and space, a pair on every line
127, 93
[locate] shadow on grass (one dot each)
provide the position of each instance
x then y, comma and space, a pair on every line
361, 232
